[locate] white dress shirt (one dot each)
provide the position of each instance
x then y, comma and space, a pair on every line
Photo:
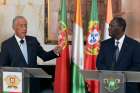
23, 47
121, 40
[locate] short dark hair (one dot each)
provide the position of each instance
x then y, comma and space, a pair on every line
121, 22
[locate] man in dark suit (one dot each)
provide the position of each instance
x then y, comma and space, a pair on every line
22, 51
120, 52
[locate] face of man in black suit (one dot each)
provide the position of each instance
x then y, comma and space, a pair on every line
116, 29
20, 27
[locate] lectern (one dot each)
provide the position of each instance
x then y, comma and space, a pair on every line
16, 79
111, 81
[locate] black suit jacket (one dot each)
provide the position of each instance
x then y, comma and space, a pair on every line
11, 54
128, 60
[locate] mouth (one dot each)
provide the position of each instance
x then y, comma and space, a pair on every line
24, 32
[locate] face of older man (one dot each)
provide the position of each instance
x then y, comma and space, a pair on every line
20, 27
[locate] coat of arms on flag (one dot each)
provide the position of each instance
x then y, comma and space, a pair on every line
12, 82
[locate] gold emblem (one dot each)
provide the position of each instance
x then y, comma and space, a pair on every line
12, 81
90, 50
63, 39
111, 84
93, 24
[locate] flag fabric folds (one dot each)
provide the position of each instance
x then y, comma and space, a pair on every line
62, 70
92, 46
108, 19
78, 84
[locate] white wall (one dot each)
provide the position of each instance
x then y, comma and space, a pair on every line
132, 14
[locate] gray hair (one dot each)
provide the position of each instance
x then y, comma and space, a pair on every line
16, 18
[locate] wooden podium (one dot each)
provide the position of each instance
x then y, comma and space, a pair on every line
111, 81
16, 79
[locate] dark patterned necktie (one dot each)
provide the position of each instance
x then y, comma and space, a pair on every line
116, 51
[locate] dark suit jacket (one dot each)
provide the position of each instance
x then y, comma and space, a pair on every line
129, 59
12, 56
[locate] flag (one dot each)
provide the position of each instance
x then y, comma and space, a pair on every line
92, 46
78, 84
108, 19
62, 70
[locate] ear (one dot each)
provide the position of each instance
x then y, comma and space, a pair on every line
13, 26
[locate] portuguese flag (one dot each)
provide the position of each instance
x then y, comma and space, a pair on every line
92, 46
62, 70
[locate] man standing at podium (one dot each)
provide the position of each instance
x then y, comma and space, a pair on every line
22, 51
120, 52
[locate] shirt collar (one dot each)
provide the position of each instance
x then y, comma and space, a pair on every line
120, 40
18, 39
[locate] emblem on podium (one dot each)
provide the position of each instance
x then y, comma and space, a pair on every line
12, 82
111, 84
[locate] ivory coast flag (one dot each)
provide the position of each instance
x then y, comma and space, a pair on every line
78, 84
62, 70
108, 19
92, 46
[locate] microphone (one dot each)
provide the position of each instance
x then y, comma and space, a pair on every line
21, 41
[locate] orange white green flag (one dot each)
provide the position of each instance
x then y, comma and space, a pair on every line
78, 83
108, 19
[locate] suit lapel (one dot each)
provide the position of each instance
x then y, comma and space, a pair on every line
29, 49
123, 50
112, 50
18, 51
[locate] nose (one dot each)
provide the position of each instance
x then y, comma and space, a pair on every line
24, 28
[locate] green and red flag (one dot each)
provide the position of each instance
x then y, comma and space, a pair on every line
62, 70
78, 83
92, 46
